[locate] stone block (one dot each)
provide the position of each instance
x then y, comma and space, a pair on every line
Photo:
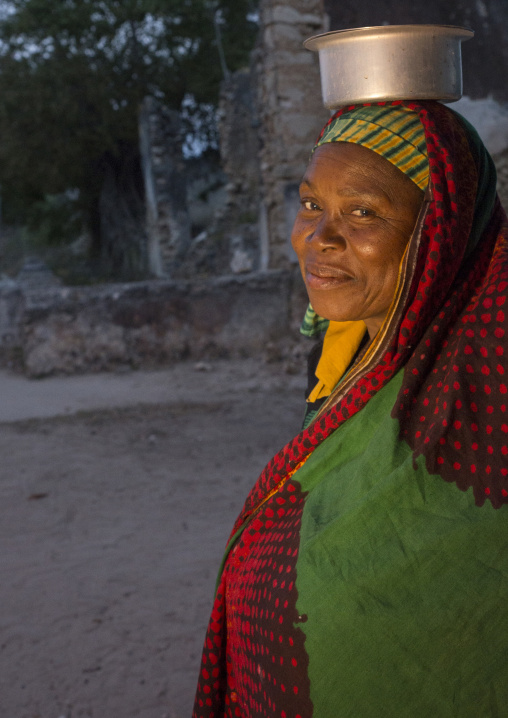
291, 58
294, 16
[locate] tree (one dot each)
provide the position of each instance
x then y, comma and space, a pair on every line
73, 75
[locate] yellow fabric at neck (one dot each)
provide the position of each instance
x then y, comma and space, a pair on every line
340, 344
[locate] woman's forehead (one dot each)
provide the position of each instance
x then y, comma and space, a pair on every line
346, 163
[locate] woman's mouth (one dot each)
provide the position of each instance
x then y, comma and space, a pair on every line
319, 276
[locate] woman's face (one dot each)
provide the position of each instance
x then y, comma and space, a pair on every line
357, 213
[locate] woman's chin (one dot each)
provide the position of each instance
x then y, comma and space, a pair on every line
335, 311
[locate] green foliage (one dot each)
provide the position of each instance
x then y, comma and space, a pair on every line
53, 221
73, 74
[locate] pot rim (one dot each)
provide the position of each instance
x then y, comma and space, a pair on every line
325, 39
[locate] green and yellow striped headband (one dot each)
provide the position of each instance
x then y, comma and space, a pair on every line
394, 132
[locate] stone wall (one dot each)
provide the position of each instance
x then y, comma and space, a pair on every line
147, 324
230, 243
291, 112
239, 221
167, 217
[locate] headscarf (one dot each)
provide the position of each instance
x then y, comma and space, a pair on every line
392, 131
444, 343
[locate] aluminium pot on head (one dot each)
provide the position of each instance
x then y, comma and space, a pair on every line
391, 62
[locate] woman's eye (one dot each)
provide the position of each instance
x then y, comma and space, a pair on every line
309, 205
363, 212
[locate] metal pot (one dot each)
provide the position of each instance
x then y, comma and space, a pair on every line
391, 62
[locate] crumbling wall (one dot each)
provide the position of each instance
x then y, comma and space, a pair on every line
67, 330
291, 113
231, 242
269, 117
239, 146
167, 218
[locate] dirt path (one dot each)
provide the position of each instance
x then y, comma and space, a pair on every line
113, 524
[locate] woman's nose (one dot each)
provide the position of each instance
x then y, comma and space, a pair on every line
329, 232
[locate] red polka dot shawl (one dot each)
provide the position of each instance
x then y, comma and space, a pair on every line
303, 610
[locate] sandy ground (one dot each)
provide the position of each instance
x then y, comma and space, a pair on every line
118, 493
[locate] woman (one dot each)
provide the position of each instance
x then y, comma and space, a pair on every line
367, 574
